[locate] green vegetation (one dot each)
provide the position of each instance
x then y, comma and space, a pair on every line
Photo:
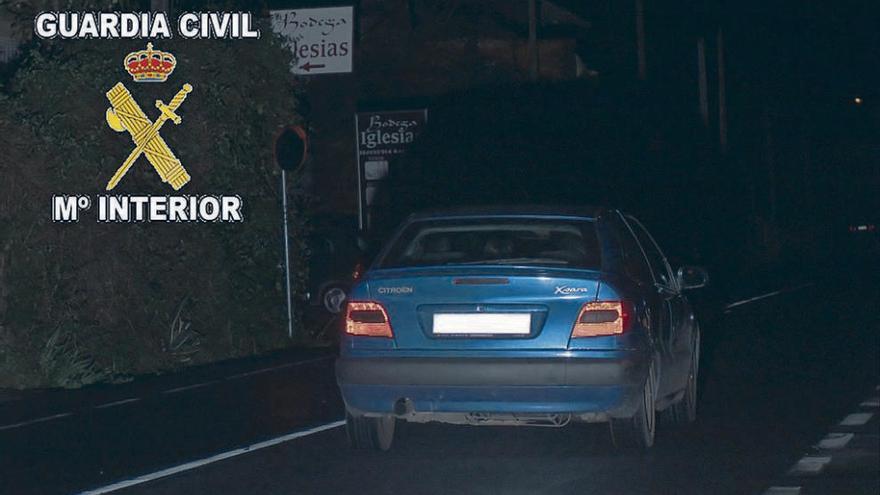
89, 302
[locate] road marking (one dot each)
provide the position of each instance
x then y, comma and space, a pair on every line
279, 367
835, 441
209, 460
783, 490
189, 387
32, 421
118, 403
769, 294
856, 419
255, 372
810, 465
753, 299
169, 391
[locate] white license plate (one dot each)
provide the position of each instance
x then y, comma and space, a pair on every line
482, 323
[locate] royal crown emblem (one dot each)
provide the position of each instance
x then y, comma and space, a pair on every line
150, 65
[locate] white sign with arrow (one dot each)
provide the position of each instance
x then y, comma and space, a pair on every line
321, 39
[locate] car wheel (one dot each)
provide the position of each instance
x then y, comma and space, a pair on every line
684, 411
638, 431
370, 433
333, 299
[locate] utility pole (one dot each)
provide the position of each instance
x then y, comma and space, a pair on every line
702, 84
533, 40
722, 94
770, 158
640, 40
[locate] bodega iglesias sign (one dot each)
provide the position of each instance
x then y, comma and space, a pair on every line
320, 39
381, 136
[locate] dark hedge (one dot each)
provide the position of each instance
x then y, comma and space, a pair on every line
89, 302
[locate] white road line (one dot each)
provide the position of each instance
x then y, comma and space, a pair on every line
835, 441
189, 387
251, 373
856, 419
815, 464
810, 465
275, 368
169, 391
753, 299
118, 403
209, 460
242, 375
32, 421
783, 490
769, 294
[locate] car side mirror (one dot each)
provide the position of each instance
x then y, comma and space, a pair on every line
692, 277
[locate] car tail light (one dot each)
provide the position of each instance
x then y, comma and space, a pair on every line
368, 319
602, 318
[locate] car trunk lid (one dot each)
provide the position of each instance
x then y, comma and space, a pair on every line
482, 308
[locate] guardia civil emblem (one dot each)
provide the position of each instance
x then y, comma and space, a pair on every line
125, 114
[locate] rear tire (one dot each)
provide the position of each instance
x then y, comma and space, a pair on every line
684, 412
637, 432
370, 433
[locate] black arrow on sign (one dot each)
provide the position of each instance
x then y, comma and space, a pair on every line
308, 66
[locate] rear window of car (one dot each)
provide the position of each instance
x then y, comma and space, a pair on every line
496, 241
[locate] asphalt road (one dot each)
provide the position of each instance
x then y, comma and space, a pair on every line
778, 372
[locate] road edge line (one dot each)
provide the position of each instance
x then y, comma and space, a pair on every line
120, 402
769, 294
164, 473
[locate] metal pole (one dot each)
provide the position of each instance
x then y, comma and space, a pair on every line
722, 95
286, 254
770, 158
357, 156
640, 40
702, 84
533, 40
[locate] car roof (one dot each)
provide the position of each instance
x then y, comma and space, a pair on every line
519, 210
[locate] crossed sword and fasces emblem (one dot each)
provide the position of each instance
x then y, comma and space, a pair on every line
126, 115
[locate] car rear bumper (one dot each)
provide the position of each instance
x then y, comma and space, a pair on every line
609, 386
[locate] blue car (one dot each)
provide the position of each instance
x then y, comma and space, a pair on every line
520, 316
